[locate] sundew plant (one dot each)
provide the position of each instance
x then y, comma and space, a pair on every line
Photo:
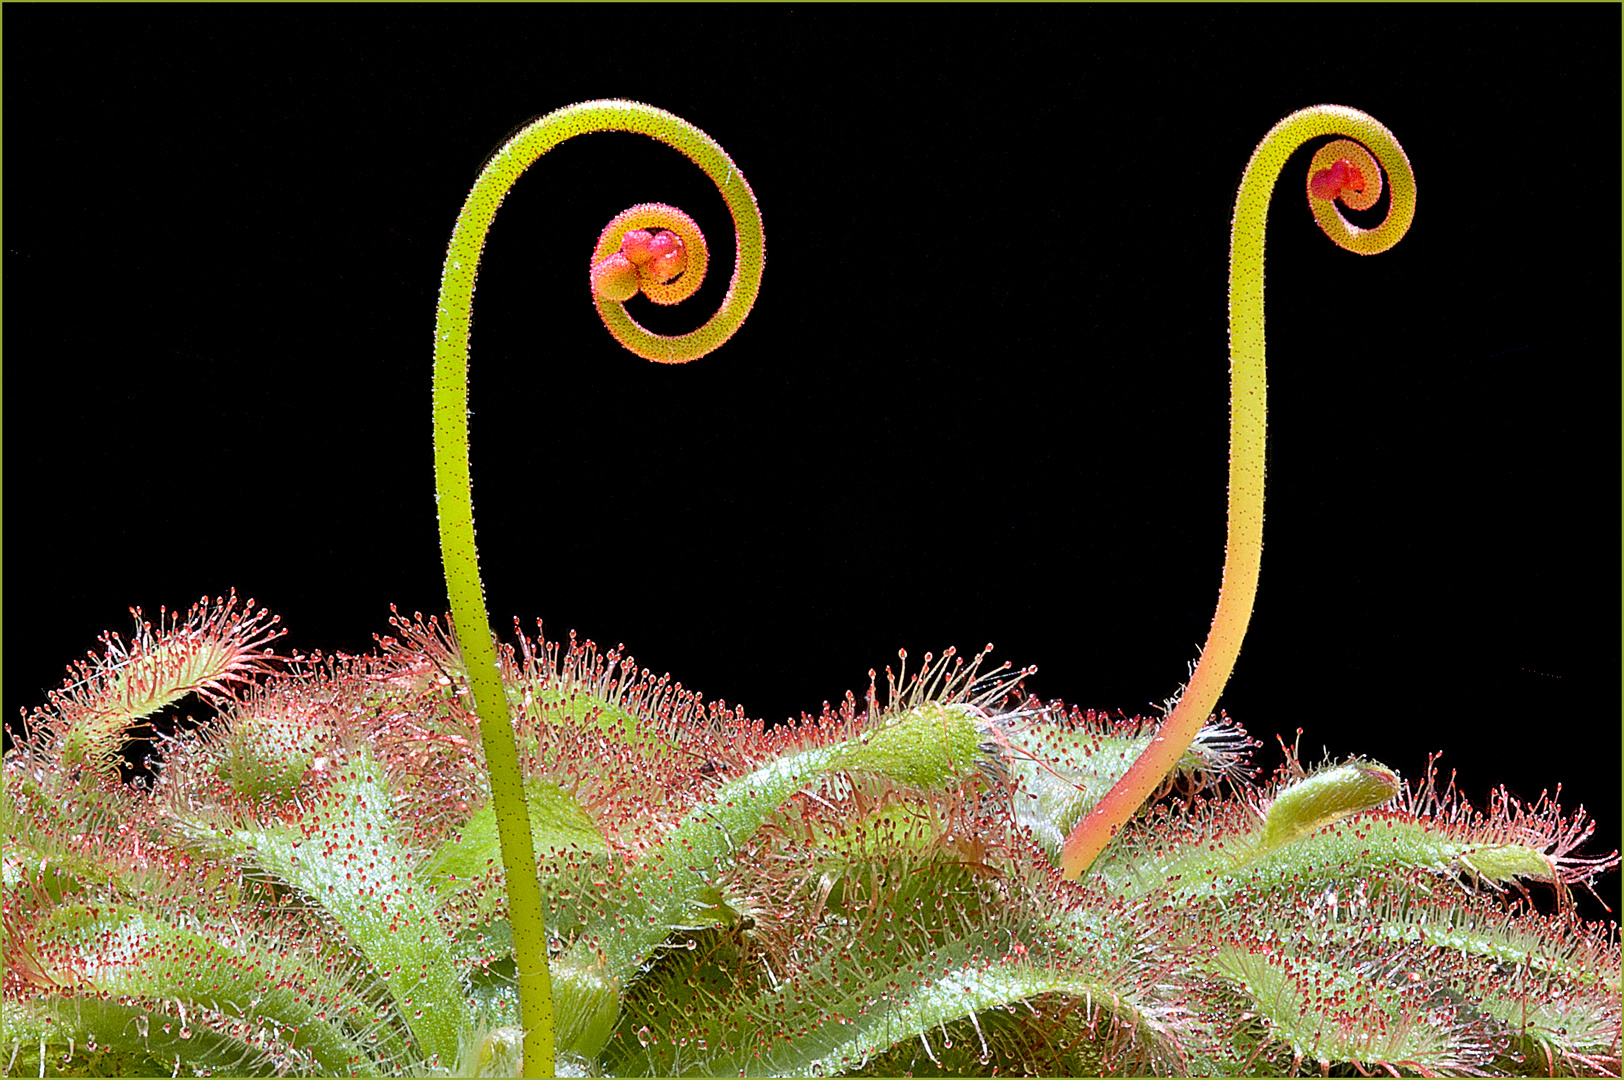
463, 855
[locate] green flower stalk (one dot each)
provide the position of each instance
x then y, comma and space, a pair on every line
1331, 176
462, 857
453, 491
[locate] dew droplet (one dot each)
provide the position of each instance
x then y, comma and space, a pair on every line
643, 1035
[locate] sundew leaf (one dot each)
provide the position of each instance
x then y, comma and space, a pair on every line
1329, 795
65, 826
1333, 1011
209, 651
340, 849
224, 999
555, 704
557, 822
1550, 981
670, 885
949, 987
88, 1036
1062, 767
920, 952
1220, 848
1401, 972
576, 687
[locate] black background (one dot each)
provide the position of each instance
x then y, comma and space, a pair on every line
983, 396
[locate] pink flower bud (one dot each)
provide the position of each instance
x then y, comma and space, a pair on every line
1343, 175
670, 257
635, 246
615, 278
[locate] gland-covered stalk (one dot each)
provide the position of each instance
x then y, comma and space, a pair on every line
1331, 175
451, 469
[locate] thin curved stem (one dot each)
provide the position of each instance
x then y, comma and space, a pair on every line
1248, 412
454, 495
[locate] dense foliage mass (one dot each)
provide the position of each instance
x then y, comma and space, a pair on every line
309, 883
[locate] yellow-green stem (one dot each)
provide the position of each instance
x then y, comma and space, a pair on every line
1248, 411
454, 494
